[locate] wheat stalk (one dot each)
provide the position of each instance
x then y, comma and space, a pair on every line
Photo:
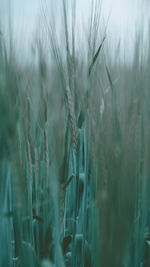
73, 124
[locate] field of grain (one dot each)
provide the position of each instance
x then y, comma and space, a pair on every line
74, 149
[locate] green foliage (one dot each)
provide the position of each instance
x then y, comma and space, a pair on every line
74, 154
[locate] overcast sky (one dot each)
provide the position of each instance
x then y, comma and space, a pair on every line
125, 16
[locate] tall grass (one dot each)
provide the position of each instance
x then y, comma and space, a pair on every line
74, 151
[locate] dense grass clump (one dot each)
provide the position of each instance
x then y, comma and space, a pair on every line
74, 151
